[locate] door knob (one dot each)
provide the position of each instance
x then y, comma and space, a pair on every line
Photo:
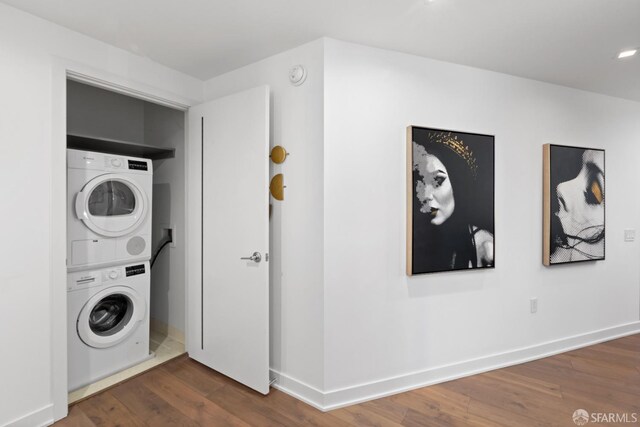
256, 257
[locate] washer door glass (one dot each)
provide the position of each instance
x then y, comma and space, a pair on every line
112, 198
110, 316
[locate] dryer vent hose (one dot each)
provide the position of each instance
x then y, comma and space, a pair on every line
161, 246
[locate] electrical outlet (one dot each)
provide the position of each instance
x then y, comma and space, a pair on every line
534, 305
630, 235
169, 231
174, 238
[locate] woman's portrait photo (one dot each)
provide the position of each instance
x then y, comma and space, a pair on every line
450, 201
574, 199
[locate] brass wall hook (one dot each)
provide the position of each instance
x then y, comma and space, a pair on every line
278, 154
277, 187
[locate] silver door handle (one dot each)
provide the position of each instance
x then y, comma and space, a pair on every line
256, 257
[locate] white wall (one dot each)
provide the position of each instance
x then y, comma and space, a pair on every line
165, 127
385, 331
297, 329
29, 50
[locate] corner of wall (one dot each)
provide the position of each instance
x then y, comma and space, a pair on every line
297, 284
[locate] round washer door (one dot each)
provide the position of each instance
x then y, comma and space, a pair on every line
111, 205
110, 316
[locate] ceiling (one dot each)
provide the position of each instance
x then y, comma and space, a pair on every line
568, 42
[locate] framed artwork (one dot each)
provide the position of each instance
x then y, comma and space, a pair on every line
450, 200
573, 205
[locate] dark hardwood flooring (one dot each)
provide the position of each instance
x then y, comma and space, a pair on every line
601, 378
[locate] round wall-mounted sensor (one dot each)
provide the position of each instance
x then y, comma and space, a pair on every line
297, 75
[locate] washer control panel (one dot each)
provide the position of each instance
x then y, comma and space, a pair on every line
106, 276
89, 279
111, 274
134, 270
82, 280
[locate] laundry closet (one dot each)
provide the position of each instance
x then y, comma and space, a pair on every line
126, 284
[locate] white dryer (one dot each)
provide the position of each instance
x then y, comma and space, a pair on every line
108, 322
109, 209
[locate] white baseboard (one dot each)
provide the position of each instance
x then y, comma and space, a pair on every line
338, 398
298, 389
38, 418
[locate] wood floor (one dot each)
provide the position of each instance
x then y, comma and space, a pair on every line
603, 378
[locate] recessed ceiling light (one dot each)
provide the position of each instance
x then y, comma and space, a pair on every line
627, 53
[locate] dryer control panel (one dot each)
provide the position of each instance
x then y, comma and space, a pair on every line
89, 160
113, 162
138, 165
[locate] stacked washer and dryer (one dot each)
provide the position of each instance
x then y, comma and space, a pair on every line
108, 252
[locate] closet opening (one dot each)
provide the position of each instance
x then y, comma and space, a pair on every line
126, 208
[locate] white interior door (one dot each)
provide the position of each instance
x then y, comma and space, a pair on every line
233, 133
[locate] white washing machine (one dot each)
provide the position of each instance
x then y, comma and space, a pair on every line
107, 321
109, 209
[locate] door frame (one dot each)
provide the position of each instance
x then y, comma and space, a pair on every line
63, 70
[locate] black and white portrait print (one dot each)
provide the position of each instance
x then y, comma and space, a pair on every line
451, 201
576, 224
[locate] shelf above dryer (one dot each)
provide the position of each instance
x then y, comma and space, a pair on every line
113, 146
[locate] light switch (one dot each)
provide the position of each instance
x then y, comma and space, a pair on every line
630, 235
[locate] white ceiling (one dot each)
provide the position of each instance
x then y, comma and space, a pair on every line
568, 42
